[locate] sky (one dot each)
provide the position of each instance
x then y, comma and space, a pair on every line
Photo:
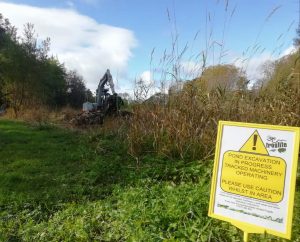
146, 39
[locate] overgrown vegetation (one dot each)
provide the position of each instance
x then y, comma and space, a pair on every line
57, 185
146, 178
186, 125
181, 121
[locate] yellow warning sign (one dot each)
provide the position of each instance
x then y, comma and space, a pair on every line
251, 172
254, 177
255, 145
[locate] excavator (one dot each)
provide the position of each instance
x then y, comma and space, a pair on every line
106, 104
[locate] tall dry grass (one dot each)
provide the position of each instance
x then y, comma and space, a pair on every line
186, 127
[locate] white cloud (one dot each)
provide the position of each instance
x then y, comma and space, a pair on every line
148, 83
290, 50
78, 40
147, 78
254, 66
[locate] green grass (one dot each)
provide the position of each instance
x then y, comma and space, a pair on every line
58, 185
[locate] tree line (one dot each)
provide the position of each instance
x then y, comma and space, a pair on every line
30, 76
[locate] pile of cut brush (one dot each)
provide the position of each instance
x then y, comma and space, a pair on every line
88, 118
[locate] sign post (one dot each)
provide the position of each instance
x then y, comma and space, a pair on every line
254, 177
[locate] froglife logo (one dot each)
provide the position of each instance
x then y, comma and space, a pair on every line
275, 144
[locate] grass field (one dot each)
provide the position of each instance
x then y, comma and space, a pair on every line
58, 185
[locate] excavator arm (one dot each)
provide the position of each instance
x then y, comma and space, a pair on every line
101, 91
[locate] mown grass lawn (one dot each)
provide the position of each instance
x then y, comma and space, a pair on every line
59, 185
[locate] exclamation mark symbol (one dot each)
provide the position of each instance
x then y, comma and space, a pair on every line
254, 142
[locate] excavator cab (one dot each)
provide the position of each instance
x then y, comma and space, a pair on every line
106, 103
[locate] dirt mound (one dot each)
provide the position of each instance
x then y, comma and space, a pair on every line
88, 118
